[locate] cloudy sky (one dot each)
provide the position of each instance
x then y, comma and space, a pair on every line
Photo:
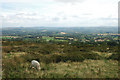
58, 13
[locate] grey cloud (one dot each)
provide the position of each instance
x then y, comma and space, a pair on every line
64, 18
55, 19
75, 16
108, 18
59, 18
87, 14
69, 1
27, 15
30, 14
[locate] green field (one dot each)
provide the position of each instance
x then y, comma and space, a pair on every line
52, 38
57, 40
6, 38
48, 38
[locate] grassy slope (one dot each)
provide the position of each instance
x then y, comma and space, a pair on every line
16, 62
86, 69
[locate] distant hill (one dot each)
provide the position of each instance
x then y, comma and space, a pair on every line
24, 30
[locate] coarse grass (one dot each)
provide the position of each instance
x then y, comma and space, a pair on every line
57, 61
17, 65
87, 69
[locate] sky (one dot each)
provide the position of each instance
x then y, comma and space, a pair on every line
58, 13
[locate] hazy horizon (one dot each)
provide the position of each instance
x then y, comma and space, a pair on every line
63, 27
